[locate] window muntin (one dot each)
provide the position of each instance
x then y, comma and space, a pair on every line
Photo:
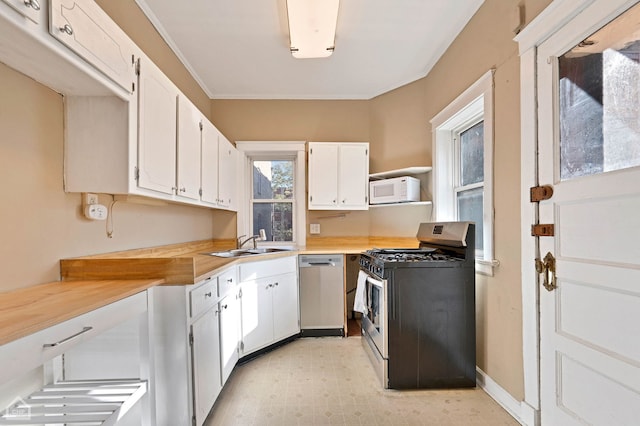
272, 198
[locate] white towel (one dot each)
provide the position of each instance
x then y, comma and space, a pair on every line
360, 302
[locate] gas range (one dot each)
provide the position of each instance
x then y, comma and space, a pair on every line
418, 307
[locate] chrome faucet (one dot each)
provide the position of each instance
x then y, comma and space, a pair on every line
260, 237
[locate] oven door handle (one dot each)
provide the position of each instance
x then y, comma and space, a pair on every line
377, 283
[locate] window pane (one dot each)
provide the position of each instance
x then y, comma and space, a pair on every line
600, 100
275, 218
472, 155
273, 180
470, 209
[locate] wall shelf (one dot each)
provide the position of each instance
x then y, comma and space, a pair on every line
416, 170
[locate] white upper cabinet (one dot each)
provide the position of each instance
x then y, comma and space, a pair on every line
189, 140
338, 176
209, 165
228, 166
31, 9
157, 98
219, 168
87, 30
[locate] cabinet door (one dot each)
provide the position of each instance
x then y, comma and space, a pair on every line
205, 353
285, 306
31, 9
209, 164
353, 176
323, 176
229, 333
227, 182
189, 121
257, 314
156, 129
87, 30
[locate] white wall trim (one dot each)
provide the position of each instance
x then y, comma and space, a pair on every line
517, 409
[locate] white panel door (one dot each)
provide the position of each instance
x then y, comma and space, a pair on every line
229, 333
353, 178
85, 28
188, 161
257, 314
323, 175
209, 165
207, 383
156, 129
589, 135
285, 306
227, 183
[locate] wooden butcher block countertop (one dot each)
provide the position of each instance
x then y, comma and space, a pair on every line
29, 310
188, 263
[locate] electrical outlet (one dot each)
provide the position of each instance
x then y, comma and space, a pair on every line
314, 228
89, 199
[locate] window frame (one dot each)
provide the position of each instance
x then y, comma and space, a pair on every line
474, 105
269, 150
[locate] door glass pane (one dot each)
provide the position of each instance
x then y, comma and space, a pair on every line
472, 155
273, 180
275, 218
600, 100
470, 209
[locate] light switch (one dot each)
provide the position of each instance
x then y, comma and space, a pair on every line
314, 228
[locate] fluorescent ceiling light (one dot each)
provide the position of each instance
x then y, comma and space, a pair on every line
312, 27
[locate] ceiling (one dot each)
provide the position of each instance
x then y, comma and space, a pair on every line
239, 49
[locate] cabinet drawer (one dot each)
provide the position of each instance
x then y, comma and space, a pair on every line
227, 281
31, 9
203, 297
86, 29
29, 352
267, 268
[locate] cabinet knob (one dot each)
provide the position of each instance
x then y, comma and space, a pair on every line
67, 29
183, 189
225, 306
334, 201
344, 201
32, 4
230, 280
207, 294
276, 284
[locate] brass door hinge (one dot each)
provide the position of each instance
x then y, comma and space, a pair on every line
540, 193
543, 230
547, 266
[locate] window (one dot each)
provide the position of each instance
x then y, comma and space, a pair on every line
462, 165
272, 198
273, 188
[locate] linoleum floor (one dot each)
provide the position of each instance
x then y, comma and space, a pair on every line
330, 381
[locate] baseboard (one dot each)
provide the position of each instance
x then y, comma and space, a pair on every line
519, 410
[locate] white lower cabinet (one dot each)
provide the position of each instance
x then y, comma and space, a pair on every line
195, 346
270, 309
103, 352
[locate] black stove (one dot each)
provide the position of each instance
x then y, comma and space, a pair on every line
418, 309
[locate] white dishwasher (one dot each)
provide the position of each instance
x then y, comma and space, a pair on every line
322, 295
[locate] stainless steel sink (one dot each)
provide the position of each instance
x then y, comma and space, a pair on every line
248, 252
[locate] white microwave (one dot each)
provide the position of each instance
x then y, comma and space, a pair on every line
394, 190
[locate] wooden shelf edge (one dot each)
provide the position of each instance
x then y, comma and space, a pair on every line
412, 203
